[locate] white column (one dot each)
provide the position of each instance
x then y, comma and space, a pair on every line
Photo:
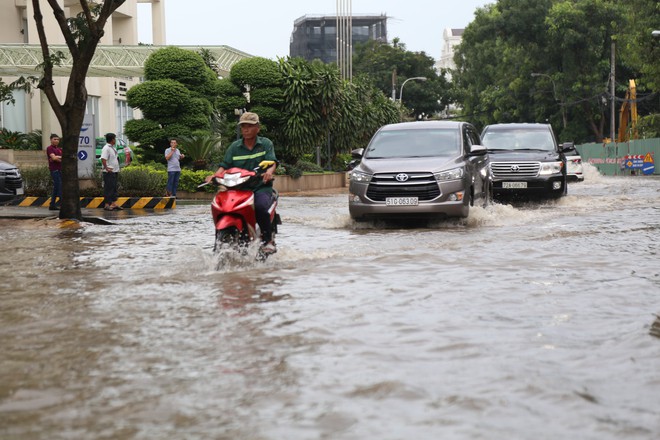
158, 22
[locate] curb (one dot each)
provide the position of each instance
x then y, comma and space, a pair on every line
97, 202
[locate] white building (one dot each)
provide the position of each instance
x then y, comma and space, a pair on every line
107, 110
451, 37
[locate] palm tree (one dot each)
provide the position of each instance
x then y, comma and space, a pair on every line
199, 148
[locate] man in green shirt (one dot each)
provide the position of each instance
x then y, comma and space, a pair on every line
247, 153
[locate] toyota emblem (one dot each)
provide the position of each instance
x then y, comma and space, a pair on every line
401, 177
515, 168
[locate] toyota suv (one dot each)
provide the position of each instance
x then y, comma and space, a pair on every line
420, 169
525, 161
11, 182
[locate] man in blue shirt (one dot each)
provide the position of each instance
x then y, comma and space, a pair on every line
247, 153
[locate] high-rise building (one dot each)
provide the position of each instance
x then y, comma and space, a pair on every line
315, 36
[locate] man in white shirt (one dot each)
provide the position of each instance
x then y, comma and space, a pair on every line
110, 162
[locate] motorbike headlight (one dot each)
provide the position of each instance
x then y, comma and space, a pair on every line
455, 174
550, 168
234, 179
360, 177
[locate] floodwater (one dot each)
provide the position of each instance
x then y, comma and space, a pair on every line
521, 322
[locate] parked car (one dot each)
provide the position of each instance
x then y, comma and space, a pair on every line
574, 170
420, 169
525, 161
122, 151
11, 182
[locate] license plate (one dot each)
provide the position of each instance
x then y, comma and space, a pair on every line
19, 191
514, 185
401, 201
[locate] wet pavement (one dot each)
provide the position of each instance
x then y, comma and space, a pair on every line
537, 321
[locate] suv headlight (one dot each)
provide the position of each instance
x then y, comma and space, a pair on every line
455, 174
357, 176
550, 168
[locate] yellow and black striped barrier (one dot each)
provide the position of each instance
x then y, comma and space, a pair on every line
97, 202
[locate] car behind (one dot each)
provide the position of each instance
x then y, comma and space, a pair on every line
122, 151
11, 182
420, 169
574, 169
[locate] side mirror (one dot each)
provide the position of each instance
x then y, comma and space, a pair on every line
478, 150
567, 146
357, 153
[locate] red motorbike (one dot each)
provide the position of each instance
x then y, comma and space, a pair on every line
233, 209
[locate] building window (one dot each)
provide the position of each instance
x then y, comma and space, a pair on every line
123, 113
13, 117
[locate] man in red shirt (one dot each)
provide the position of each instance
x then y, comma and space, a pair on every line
54, 154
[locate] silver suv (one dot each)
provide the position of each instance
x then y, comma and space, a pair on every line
11, 182
420, 169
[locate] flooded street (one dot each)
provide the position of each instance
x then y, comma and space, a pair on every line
520, 322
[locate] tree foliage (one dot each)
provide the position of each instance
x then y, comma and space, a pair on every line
177, 99
388, 66
549, 60
303, 105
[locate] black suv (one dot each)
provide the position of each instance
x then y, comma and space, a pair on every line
525, 161
11, 182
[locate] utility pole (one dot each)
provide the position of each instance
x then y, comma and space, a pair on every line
612, 92
394, 85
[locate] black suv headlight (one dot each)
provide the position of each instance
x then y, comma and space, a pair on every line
548, 168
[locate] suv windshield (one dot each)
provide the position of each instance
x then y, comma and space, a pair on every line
518, 139
413, 143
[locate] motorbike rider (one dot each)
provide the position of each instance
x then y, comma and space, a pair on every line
247, 153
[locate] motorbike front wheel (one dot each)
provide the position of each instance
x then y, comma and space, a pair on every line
230, 238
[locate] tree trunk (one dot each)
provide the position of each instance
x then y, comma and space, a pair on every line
82, 45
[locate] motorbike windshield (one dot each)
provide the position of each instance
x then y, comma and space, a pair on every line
414, 143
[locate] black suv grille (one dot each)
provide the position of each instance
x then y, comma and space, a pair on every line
420, 185
12, 178
503, 170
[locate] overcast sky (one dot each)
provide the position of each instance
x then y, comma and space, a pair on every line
263, 27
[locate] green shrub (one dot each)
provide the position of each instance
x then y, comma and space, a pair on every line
189, 180
309, 167
291, 170
37, 181
142, 181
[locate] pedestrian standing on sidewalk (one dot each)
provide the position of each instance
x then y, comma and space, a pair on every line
110, 162
173, 157
54, 154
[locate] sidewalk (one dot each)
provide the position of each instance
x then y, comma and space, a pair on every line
91, 215
132, 207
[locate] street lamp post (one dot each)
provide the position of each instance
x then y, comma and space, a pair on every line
420, 78
554, 94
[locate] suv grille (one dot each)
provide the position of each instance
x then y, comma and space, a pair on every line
514, 169
12, 178
420, 185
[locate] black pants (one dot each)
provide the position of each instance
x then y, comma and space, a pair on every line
110, 188
262, 201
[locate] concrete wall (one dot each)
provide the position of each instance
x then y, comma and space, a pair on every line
286, 184
24, 158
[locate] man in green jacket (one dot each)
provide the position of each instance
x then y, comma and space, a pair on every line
247, 153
